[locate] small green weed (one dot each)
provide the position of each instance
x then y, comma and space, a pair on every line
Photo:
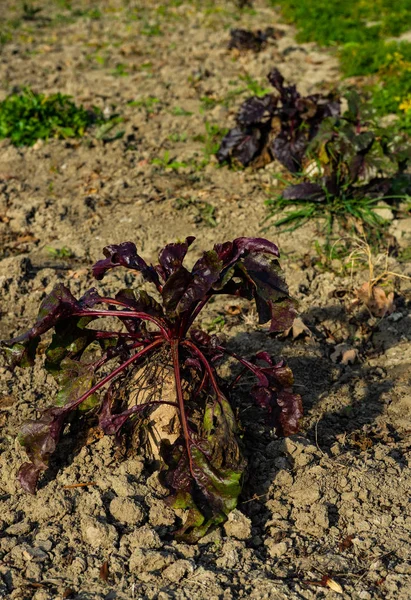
167, 162
177, 111
178, 137
27, 117
150, 104
62, 253
120, 70
211, 140
31, 12
151, 29
206, 212
349, 211
217, 324
254, 86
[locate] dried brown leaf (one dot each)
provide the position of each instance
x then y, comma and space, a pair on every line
297, 329
375, 298
344, 354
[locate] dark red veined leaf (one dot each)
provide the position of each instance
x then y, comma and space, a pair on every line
174, 289
261, 279
171, 257
140, 301
241, 144
273, 392
257, 110
305, 191
124, 255
289, 149
204, 274
58, 305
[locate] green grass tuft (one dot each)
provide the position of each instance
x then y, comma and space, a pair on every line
28, 117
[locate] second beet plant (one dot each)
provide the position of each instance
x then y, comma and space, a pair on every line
97, 365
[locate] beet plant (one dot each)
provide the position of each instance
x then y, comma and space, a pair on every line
112, 356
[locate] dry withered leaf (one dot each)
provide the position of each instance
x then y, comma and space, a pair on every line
375, 299
233, 310
297, 329
346, 543
344, 354
333, 585
104, 571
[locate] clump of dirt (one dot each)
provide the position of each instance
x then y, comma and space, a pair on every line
331, 501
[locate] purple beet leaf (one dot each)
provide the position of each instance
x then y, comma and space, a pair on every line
105, 372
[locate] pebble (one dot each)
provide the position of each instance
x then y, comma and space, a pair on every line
127, 511
238, 525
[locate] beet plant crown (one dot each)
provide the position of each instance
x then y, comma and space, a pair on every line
203, 468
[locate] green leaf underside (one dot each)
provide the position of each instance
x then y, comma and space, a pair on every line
210, 492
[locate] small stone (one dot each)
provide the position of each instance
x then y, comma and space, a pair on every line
19, 528
45, 545
149, 561
277, 549
238, 525
384, 211
161, 514
127, 511
395, 316
98, 535
121, 486
176, 571
144, 537
36, 554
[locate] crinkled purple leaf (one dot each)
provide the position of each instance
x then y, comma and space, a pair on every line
204, 274
210, 344
273, 392
240, 144
124, 255
174, 288
289, 149
257, 110
171, 257
260, 278
140, 301
305, 191
289, 413
276, 79
58, 305
39, 439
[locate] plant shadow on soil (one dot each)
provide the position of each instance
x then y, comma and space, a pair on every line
338, 400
